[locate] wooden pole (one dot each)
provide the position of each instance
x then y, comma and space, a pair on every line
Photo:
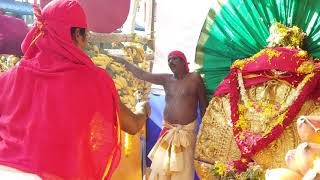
117, 37
151, 43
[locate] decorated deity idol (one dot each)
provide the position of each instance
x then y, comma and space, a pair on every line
249, 124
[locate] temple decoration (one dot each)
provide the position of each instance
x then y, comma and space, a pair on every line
248, 126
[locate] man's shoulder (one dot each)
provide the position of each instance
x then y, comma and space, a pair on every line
195, 76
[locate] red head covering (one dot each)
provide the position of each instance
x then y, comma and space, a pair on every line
58, 111
181, 56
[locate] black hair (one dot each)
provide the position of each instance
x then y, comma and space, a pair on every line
82, 31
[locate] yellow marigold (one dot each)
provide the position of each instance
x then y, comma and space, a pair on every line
250, 104
270, 106
306, 67
220, 168
241, 136
239, 63
241, 123
267, 112
294, 41
243, 160
267, 130
241, 108
295, 29
278, 120
272, 53
302, 54
254, 57
283, 30
281, 35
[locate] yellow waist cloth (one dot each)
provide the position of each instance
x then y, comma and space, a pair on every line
167, 153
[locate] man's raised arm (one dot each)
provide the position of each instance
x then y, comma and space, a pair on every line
159, 79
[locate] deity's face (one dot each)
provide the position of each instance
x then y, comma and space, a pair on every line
301, 159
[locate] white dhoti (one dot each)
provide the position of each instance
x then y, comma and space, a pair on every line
7, 173
172, 155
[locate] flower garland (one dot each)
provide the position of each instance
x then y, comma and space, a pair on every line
306, 67
250, 143
265, 109
281, 35
240, 63
228, 171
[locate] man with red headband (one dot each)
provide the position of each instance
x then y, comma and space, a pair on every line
172, 156
60, 117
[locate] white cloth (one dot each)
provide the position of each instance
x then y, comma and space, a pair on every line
172, 155
7, 173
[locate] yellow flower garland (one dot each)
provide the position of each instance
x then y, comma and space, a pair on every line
271, 53
306, 67
269, 110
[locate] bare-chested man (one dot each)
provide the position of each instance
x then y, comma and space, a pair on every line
172, 156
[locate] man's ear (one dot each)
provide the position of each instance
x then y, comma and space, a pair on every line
73, 36
77, 34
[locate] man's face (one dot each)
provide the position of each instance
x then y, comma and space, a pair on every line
176, 64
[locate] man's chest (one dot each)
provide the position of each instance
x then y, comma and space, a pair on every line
180, 88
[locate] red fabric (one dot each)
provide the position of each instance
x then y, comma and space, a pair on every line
287, 61
58, 111
12, 32
104, 16
181, 56
163, 131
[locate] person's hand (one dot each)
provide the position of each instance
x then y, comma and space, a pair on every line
308, 128
118, 58
281, 174
301, 159
143, 108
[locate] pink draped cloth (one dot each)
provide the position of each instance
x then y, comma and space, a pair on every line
58, 111
259, 71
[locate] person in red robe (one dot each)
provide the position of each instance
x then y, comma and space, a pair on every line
60, 116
